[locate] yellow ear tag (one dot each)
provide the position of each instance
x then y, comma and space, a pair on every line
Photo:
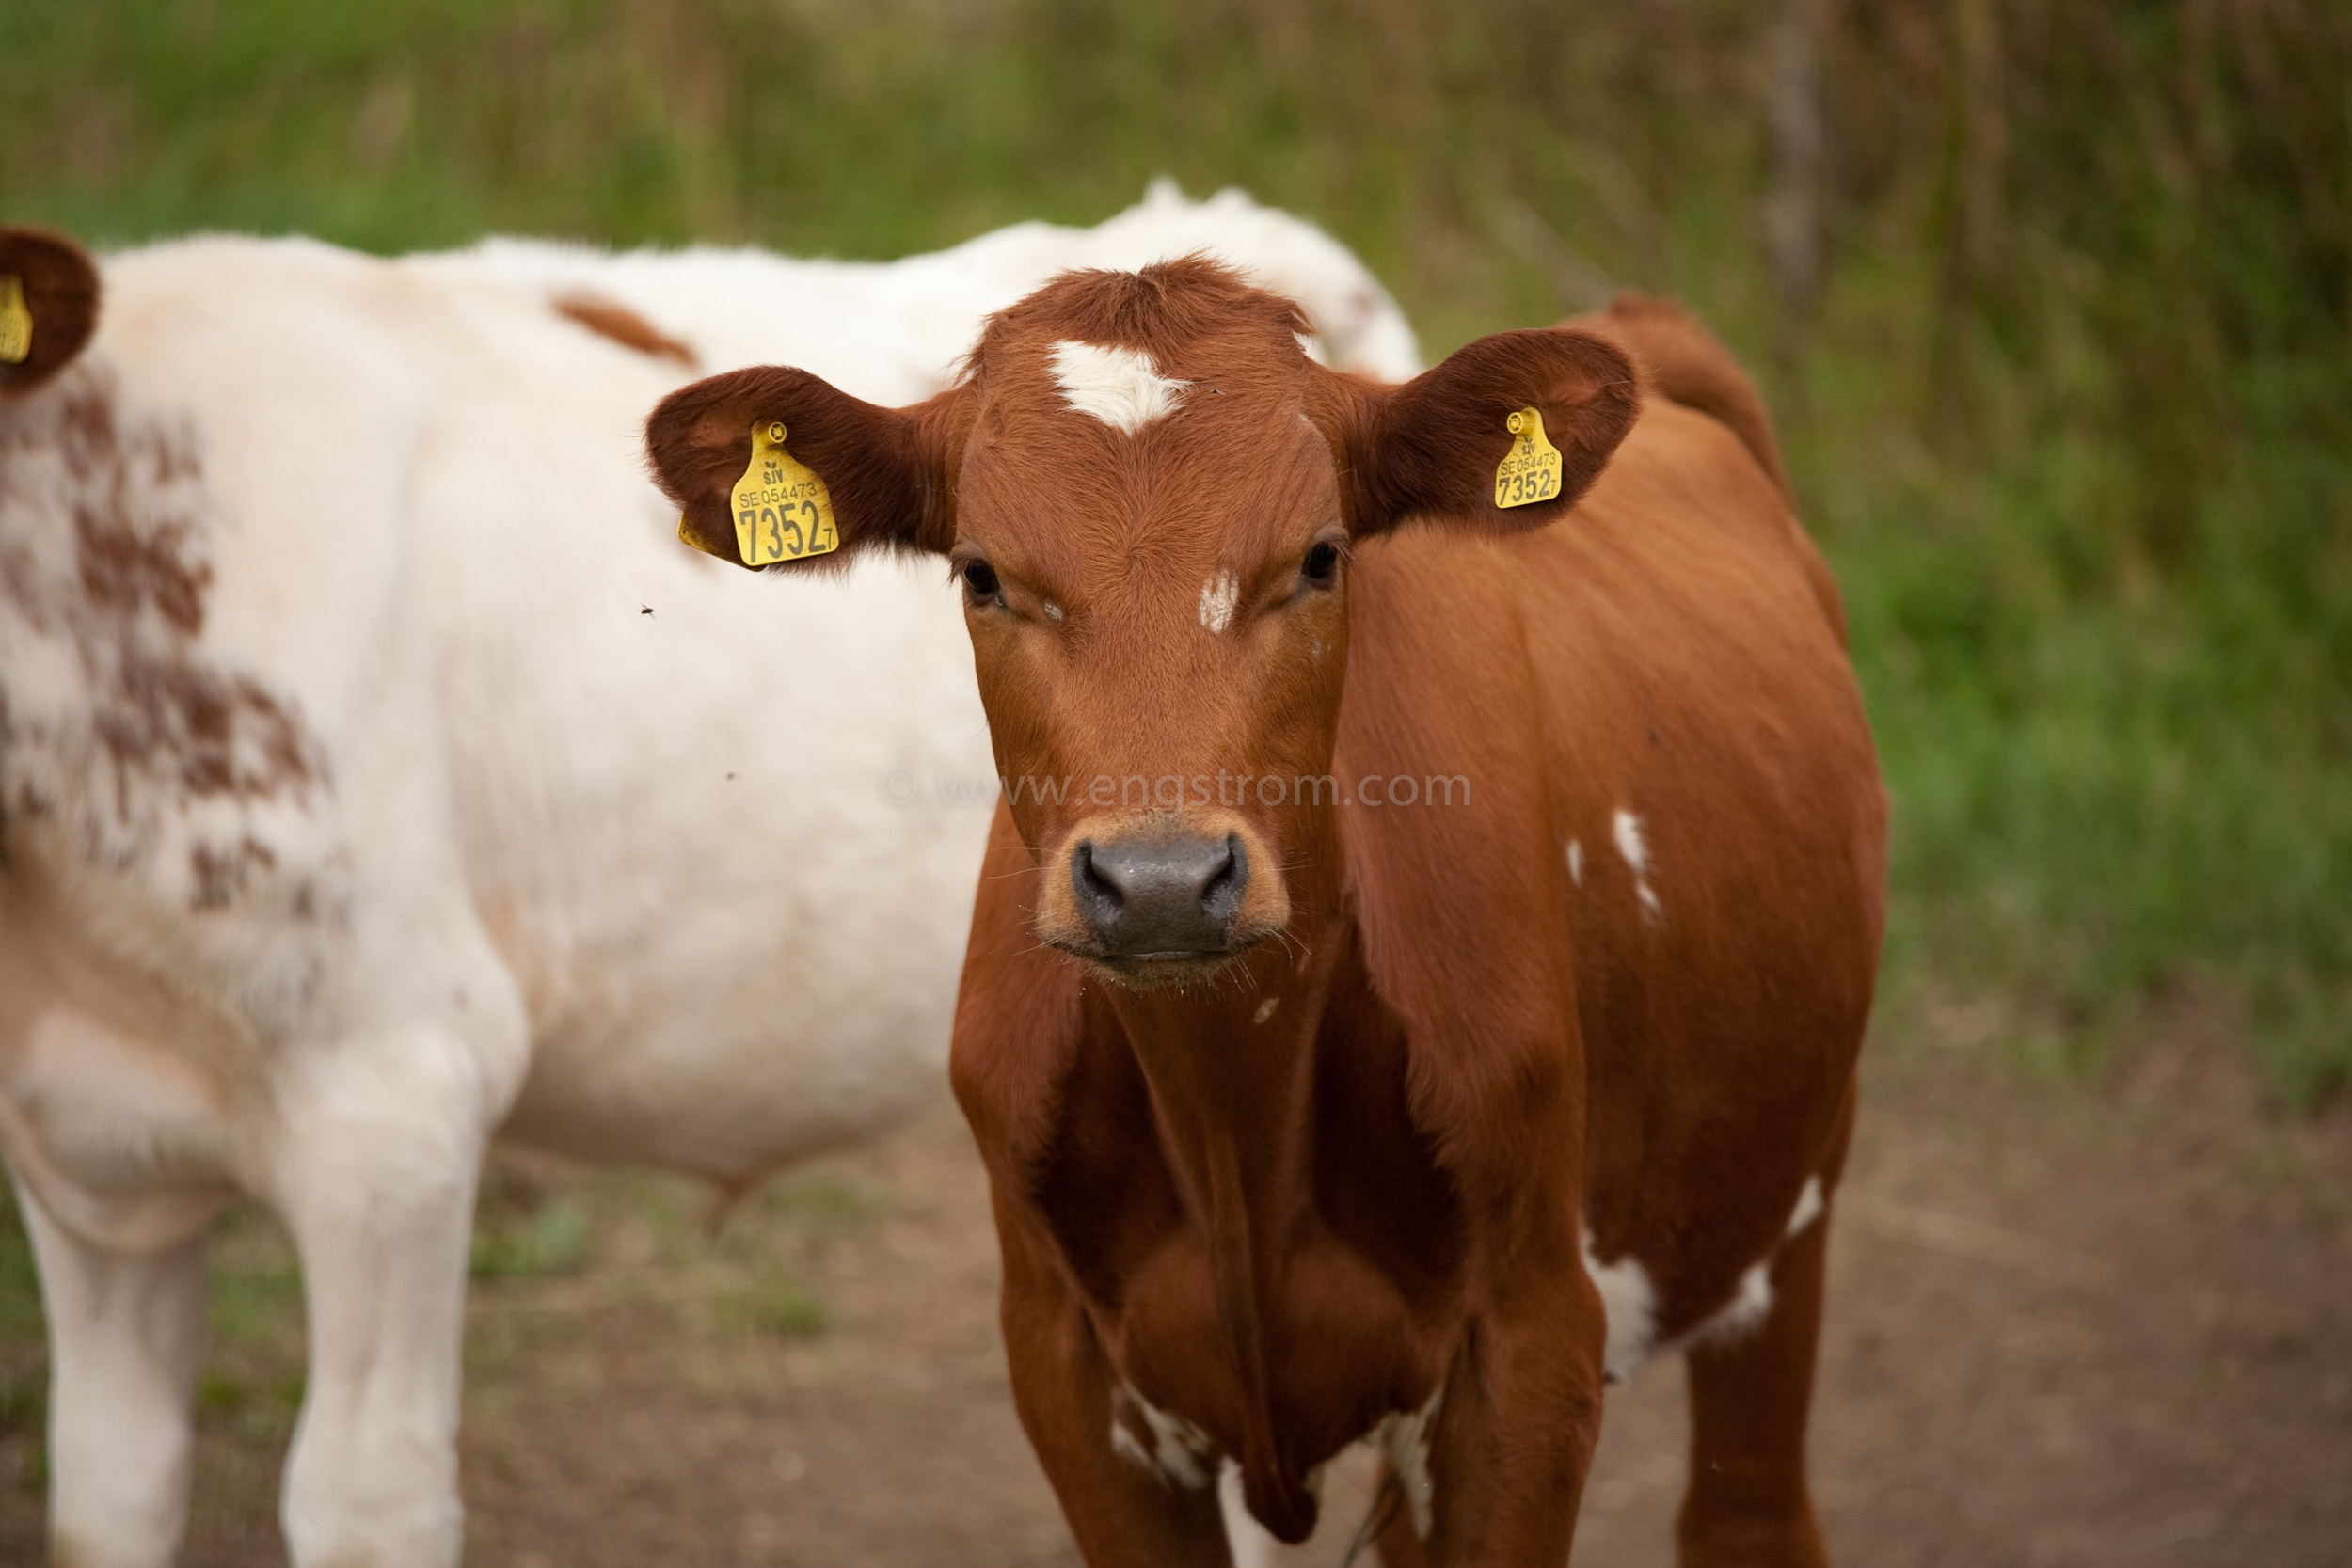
782, 509
16, 322
1530, 471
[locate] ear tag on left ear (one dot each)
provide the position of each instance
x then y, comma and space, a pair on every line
781, 509
16, 322
1530, 471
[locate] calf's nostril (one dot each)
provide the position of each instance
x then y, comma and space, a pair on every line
1099, 897
1221, 895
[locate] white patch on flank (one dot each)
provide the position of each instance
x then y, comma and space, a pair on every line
1266, 1009
1178, 1452
1747, 1309
1120, 387
1808, 1205
1217, 596
1632, 1303
1627, 829
1404, 1440
1576, 862
1052, 611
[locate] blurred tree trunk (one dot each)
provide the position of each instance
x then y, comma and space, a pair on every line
1793, 208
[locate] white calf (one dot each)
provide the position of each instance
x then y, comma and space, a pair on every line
366, 790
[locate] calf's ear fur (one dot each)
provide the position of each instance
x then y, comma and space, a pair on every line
1430, 447
888, 471
59, 284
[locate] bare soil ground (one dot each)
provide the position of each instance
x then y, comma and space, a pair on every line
2068, 1325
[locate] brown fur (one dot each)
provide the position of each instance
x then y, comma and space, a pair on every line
1686, 363
61, 291
1359, 1160
610, 319
1680, 359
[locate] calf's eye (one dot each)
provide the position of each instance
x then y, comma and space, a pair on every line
1322, 564
979, 580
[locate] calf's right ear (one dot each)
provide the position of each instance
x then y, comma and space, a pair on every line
48, 305
889, 472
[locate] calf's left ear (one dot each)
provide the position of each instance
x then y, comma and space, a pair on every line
887, 471
48, 305
1432, 448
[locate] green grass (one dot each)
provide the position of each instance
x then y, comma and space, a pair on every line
554, 1239
2070, 410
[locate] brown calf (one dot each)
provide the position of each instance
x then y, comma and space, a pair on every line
1477, 1012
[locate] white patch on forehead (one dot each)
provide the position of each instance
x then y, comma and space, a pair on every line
1178, 1452
1404, 1440
1576, 862
1632, 1303
1627, 828
1808, 1205
1052, 611
1120, 387
1217, 596
1266, 1009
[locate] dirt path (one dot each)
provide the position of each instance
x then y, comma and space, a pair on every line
2067, 1327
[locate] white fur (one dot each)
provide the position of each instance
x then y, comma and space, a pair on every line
1404, 1440
1217, 597
905, 324
1632, 1303
544, 849
1251, 1543
1178, 1452
1808, 1208
1750, 1305
1120, 387
1626, 829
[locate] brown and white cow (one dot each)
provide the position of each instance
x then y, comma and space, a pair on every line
1425, 953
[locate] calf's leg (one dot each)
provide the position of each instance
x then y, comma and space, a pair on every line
126, 1332
1747, 1505
1122, 1514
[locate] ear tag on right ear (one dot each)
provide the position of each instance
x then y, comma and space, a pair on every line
16, 322
781, 509
1530, 471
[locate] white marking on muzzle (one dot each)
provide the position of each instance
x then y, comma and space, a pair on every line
1120, 387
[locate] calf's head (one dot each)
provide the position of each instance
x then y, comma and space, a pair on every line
1150, 494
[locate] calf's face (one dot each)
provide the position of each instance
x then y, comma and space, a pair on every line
1150, 496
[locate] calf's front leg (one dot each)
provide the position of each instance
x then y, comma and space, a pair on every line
1152, 1505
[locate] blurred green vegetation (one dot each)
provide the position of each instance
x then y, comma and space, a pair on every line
2053, 298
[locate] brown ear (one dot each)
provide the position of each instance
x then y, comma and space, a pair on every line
1431, 447
58, 287
888, 470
